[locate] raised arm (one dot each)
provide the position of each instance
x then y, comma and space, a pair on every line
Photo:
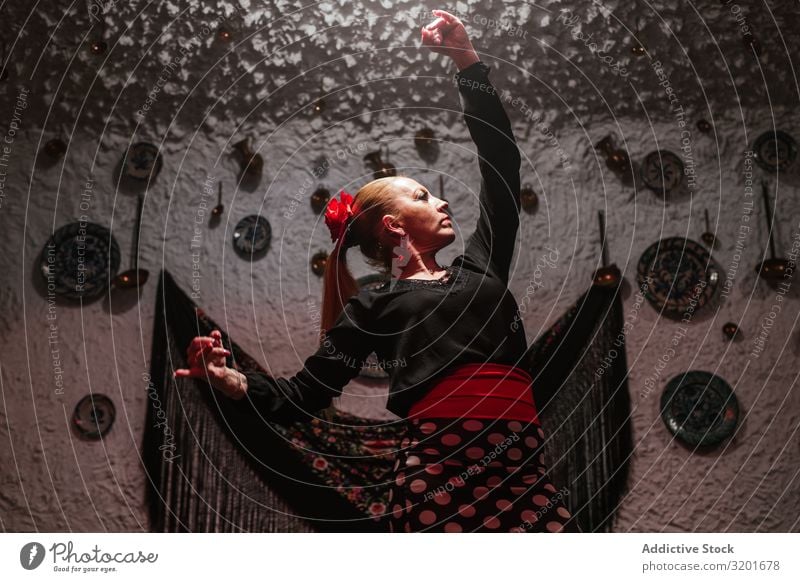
491, 246
282, 400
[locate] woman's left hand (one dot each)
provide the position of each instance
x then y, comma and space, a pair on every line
205, 357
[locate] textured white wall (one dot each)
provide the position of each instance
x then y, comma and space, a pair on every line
52, 481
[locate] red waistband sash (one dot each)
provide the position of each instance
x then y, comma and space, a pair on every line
480, 391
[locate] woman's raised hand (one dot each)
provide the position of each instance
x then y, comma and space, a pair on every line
447, 35
206, 358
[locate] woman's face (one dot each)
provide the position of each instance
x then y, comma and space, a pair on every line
420, 215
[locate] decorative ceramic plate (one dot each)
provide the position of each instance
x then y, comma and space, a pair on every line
774, 150
320, 199
699, 408
142, 162
252, 235
373, 368
529, 199
93, 416
318, 263
79, 260
662, 172
677, 274
427, 145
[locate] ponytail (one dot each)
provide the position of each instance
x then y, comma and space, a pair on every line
338, 287
375, 199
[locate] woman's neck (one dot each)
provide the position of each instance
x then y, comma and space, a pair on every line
422, 267
428, 276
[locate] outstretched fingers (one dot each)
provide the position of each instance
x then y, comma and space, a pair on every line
203, 343
198, 368
431, 38
217, 353
446, 16
195, 351
447, 20
215, 337
199, 343
435, 25
202, 351
189, 373
208, 353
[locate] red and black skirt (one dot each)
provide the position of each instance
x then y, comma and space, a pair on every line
472, 459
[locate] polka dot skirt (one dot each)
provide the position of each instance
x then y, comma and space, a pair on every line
475, 475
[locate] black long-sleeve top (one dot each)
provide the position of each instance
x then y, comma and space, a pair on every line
417, 328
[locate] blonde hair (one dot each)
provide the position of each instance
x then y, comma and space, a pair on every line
370, 204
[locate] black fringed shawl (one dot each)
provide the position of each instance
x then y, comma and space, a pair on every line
213, 468
580, 380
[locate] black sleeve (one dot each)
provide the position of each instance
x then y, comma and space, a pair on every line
338, 360
491, 246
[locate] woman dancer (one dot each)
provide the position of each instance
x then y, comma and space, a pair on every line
472, 456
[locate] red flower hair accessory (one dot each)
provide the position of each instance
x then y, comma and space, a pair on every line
337, 213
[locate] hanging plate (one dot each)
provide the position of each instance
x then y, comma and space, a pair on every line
142, 162
79, 260
93, 416
774, 150
252, 236
677, 274
320, 199
699, 408
427, 145
529, 200
318, 263
662, 172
